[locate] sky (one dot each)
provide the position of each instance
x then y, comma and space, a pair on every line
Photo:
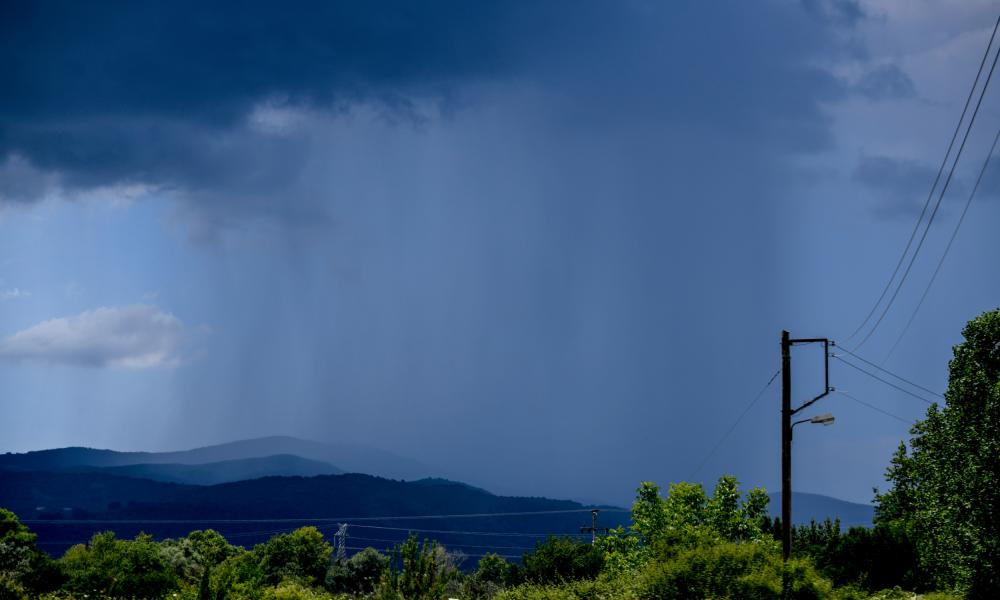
543, 247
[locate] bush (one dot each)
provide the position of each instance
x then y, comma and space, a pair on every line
749, 571
417, 572
294, 591
303, 554
597, 589
119, 568
562, 559
493, 575
358, 574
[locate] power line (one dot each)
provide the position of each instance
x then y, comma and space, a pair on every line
725, 436
325, 519
888, 372
944, 188
472, 533
930, 194
397, 541
947, 248
889, 383
875, 408
355, 548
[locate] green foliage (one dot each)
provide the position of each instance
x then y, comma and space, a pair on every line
871, 558
23, 567
624, 552
946, 489
189, 556
588, 589
744, 571
119, 568
303, 555
417, 571
238, 575
493, 575
562, 559
359, 574
293, 590
687, 516
205, 585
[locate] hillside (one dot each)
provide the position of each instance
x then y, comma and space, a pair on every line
220, 472
68, 507
817, 507
347, 457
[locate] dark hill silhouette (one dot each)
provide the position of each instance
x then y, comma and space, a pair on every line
347, 457
220, 472
324, 496
68, 507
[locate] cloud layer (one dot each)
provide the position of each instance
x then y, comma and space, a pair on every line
134, 336
180, 98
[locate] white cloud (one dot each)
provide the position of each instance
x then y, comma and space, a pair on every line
134, 336
13, 293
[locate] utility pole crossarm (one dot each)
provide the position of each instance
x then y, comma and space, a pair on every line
826, 368
594, 529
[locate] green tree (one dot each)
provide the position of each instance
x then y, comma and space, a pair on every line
358, 574
205, 586
22, 565
687, 516
946, 488
303, 554
562, 559
492, 575
119, 568
417, 571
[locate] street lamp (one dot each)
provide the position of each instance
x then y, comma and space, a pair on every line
823, 419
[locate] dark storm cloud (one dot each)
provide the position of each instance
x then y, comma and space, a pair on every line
159, 94
121, 91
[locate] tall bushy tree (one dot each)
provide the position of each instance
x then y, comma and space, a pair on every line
119, 568
946, 489
417, 571
303, 554
357, 575
687, 515
23, 567
562, 559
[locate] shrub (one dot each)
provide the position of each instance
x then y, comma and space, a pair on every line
596, 589
748, 571
562, 559
417, 572
303, 554
358, 574
120, 568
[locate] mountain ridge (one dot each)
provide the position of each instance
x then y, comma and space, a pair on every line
347, 457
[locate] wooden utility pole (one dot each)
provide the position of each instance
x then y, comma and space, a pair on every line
593, 529
786, 445
787, 412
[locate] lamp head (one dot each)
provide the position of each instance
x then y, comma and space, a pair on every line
824, 419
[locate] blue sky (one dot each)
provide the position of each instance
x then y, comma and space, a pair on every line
547, 248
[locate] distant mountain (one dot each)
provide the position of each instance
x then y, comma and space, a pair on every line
807, 507
99, 494
347, 457
220, 472
66, 507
